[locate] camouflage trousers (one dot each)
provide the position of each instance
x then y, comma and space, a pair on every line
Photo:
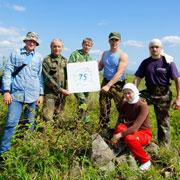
53, 106
115, 93
160, 98
82, 105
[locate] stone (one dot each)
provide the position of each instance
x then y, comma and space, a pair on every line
152, 147
109, 167
101, 155
75, 168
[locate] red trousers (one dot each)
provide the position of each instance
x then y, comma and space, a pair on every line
136, 141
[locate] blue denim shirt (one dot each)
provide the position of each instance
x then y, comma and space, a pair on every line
28, 83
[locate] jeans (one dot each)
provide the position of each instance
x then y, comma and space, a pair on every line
13, 116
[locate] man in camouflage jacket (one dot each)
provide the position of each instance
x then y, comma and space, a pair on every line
82, 55
55, 76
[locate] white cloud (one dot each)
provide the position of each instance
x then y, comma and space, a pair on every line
8, 45
10, 39
96, 52
171, 40
102, 23
8, 31
16, 39
133, 43
14, 7
5, 44
18, 8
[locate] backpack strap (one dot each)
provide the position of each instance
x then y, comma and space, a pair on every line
26, 62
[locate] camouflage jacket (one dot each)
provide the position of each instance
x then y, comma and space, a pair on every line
54, 73
78, 56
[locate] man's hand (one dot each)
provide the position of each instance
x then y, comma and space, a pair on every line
105, 89
40, 100
7, 98
176, 104
115, 138
65, 92
97, 60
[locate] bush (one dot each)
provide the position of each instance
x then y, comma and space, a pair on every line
59, 150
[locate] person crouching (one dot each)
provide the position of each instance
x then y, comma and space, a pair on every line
136, 130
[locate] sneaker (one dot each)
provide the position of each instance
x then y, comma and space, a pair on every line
145, 166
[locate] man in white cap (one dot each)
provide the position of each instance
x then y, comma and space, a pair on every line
25, 89
158, 69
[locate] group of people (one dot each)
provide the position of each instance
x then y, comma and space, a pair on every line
39, 79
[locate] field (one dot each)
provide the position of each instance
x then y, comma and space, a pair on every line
49, 152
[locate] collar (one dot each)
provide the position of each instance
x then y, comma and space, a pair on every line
23, 51
82, 53
53, 58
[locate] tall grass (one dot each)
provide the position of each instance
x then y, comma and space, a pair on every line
60, 149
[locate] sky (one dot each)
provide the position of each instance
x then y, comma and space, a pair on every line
138, 21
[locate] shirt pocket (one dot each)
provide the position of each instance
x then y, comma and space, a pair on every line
35, 70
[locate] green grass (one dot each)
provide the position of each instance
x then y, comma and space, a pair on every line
52, 150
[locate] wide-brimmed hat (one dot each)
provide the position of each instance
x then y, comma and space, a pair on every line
32, 36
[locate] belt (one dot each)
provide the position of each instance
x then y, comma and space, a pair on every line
121, 82
159, 90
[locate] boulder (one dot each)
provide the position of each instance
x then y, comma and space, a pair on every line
101, 155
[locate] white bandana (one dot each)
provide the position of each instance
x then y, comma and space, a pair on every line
133, 88
157, 42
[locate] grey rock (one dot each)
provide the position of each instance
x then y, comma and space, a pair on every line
127, 159
152, 147
102, 155
109, 167
75, 168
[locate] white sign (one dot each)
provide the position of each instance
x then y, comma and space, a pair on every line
83, 77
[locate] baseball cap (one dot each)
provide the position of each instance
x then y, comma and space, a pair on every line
115, 35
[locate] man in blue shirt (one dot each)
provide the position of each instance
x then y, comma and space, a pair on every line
25, 89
